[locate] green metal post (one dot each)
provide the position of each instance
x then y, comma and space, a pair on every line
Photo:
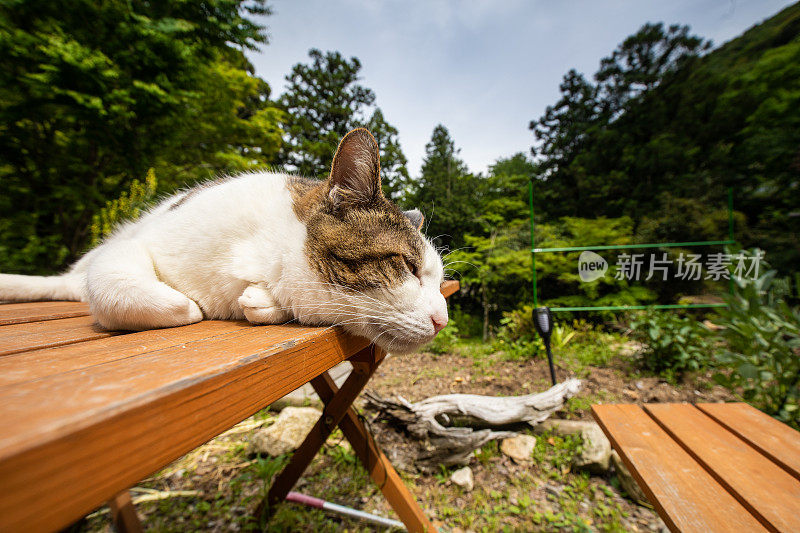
730, 232
533, 245
730, 213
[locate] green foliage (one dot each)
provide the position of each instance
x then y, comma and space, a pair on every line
555, 452
668, 122
127, 207
445, 339
672, 344
469, 326
494, 266
395, 180
92, 94
559, 280
323, 101
445, 192
762, 336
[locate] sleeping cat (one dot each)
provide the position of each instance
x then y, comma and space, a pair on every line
270, 248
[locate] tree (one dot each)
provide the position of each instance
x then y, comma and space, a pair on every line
562, 133
322, 103
232, 126
495, 265
446, 192
394, 174
642, 61
94, 94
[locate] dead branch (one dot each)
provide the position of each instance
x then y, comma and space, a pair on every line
429, 419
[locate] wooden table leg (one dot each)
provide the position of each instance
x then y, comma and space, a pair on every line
335, 408
377, 464
123, 513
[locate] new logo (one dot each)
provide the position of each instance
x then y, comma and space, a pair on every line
591, 266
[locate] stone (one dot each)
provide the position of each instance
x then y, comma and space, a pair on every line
595, 455
287, 432
519, 448
626, 480
463, 478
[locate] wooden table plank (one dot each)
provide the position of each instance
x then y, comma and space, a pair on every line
767, 490
34, 410
17, 338
81, 422
449, 287
774, 439
72, 440
687, 498
18, 313
37, 364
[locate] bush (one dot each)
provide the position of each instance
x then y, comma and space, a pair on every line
469, 325
128, 206
445, 340
518, 338
762, 333
672, 344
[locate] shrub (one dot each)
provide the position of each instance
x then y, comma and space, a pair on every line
127, 207
445, 340
672, 344
762, 334
469, 325
518, 338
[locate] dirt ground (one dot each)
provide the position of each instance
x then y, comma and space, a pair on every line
420, 376
218, 486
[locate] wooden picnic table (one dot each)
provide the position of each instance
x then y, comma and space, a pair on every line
710, 467
86, 413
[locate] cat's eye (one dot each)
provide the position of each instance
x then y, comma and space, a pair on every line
411, 267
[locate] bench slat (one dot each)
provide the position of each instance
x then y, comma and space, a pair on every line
16, 338
19, 313
777, 441
93, 433
763, 487
38, 364
687, 498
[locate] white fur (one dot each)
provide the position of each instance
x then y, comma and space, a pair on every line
233, 250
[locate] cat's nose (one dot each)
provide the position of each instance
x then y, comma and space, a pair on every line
438, 323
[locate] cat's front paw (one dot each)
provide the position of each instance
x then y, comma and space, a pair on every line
260, 307
266, 315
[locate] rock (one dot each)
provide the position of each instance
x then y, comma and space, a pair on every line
596, 453
626, 479
519, 448
553, 490
463, 478
287, 432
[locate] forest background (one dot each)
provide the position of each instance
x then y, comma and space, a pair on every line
106, 107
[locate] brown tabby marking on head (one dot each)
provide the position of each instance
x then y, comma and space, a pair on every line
307, 195
355, 236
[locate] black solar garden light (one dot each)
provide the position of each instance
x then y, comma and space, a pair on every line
543, 320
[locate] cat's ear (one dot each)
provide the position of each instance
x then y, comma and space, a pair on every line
416, 217
356, 171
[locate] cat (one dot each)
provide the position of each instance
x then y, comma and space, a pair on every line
267, 247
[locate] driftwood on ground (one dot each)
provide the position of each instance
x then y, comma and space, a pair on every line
452, 426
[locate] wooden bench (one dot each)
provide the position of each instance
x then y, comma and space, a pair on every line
710, 467
86, 413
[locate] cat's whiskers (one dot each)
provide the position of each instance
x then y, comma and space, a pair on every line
346, 293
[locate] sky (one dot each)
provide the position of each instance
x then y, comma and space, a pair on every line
484, 69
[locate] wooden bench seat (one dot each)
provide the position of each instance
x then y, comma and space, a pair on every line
710, 467
86, 413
